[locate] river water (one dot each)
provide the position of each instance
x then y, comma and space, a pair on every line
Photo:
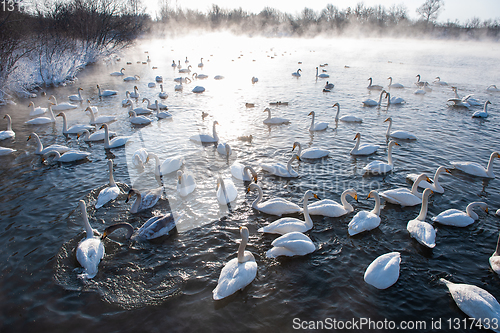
167, 285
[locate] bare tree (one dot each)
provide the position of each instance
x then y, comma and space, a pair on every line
430, 10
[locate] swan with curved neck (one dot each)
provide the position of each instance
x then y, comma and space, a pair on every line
206, 138
310, 153
371, 102
67, 157
363, 149
111, 192
75, 129
327, 207
90, 251
61, 106
393, 100
322, 75
77, 97
366, 220
143, 200
374, 86
318, 126
100, 119
274, 120
394, 85
120, 73
475, 169
186, 183
243, 172
457, 218
9, 133
274, 206
169, 165
483, 113
279, 169
422, 231
162, 114
346, 118
297, 73
36, 111
138, 120
289, 224
135, 93
43, 120
225, 190
435, 185
404, 197
39, 146
382, 167
155, 227
106, 93
116, 142
403, 135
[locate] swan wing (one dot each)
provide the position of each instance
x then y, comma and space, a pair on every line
326, 207
383, 272
423, 232
453, 217
157, 226
363, 221
106, 195
89, 253
234, 276
284, 226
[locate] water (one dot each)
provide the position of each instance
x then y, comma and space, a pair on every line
151, 286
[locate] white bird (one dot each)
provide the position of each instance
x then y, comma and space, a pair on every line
162, 94
322, 75
371, 102
383, 272
140, 157
394, 85
328, 86
281, 170
169, 165
96, 136
297, 73
186, 183
394, 100
475, 302
225, 190
198, 89
492, 88
243, 172
439, 82
309, 153
6, 151
36, 111
95, 109
159, 78
90, 251
67, 157
140, 110
422, 231
224, 149
39, 146
127, 101
218, 77
77, 97
402, 135
132, 78
467, 100
331, 208
109, 193
43, 120
237, 273
475, 169
199, 76
495, 258
8, 133
457, 218
316, 127
420, 83
274, 120
153, 106
120, 73
143, 200
162, 114
185, 70
155, 227
379, 166
99, 119
116, 142
374, 86
275, 206
135, 93
346, 118
363, 149
483, 113
61, 106
138, 120
366, 220
206, 138
75, 129
200, 65
403, 196
285, 225
291, 244
434, 186
152, 85
106, 93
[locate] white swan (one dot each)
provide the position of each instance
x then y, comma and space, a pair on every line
135, 93
43, 120
475, 302
316, 127
495, 258
297, 73
434, 186
144, 200
140, 157
370, 102
492, 88
198, 89
483, 113
78, 97
186, 183
95, 109
109, 193
225, 190
199, 76
162, 114
120, 73
322, 75
420, 83
366, 220
439, 82
116, 142
200, 65
61, 106
275, 206
138, 120
374, 86
206, 138
67, 157
475, 169
285, 225
291, 244
403, 196
363, 149
39, 146
155, 227
75, 129
383, 272
328, 86
106, 93
422, 231
331, 208
237, 272
162, 94
457, 218
9, 133
218, 77
132, 78
36, 111
186, 70
100, 119
346, 118
394, 85
169, 165
310, 153
127, 101
140, 110
281, 170
274, 120
402, 135
379, 166
243, 172
394, 100
96, 136
155, 105
466, 101
224, 149
6, 151
90, 251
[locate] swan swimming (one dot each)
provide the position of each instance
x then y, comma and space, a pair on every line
206, 138
374, 86
153, 228
242, 172
322, 75
297, 73
370, 102
90, 251
383, 272
403, 196
106, 93
291, 244
76, 98
109, 193
330, 208
75, 129
483, 113
116, 142
143, 200
363, 149
36, 111
435, 186
402, 135
366, 220
394, 85
274, 120
379, 167
316, 127
457, 218
43, 120
60, 106
275, 206
120, 73
225, 190
67, 157
309, 153
422, 231
169, 165
39, 146
8, 133
475, 169
186, 183
281, 170
346, 118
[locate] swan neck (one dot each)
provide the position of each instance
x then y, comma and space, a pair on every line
51, 114
9, 123
380, 97
137, 202
470, 212
414, 187
216, 137
338, 111
289, 165
358, 140
241, 250
312, 121
436, 179
85, 219
389, 128
255, 203
376, 209
498, 247
39, 145
343, 199
111, 178
65, 124
307, 217
423, 209
389, 155
106, 136
489, 168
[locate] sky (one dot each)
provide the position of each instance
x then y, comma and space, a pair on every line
461, 10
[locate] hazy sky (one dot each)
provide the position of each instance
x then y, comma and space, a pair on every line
461, 10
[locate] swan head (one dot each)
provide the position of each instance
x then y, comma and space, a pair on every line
98, 87
267, 110
216, 122
358, 136
487, 102
296, 156
89, 109
388, 119
80, 89
495, 154
310, 194
61, 114
336, 105
245, 234
393, 143
311, 113
130, 193
427, 192
372, 194
82, 133
295, 145
179, 175
105, 126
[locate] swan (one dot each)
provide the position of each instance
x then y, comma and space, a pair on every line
90, 251
96, 136
116, 142
61, 106
132, 78
403, 196
179, 66
366, 220
159, 78
434, 186
199, 76
382, 167
482, 114
75, 129
140, 110
36, 111
394, 100
275, 206
107, 93
371, 102
274, 120
224, 149
200, 65
153, 106
162, 94
255, 79
152, 85
140, 157
346, 118
109, 193
492, 88
420, 83
316, 127
43, 120
153, 228
77, 97
206, 138
322, 75
329, 86
169, 165
363, 149
374, 86
120, 73
422, 231
138, 120
439, 82
297, 73
67, 157
394, 85
238, 272
457, 218
225, 190
383, 272
218, 77
8, 133
185, 183
330, 208
475, 302
466, 101
162, 114
495, 258
402, 135
310, 153
144, 200
281, 170
285, 225
100, 119
127, 101
39, 146
291, 244
475, 169
6, 151
180, 87
242, 172
186, 70
198, 89
135, 93
95, 109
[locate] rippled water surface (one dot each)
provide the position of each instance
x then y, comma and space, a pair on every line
167, 284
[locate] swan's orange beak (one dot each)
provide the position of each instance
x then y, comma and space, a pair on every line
397, 144
447, 170
316, 196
